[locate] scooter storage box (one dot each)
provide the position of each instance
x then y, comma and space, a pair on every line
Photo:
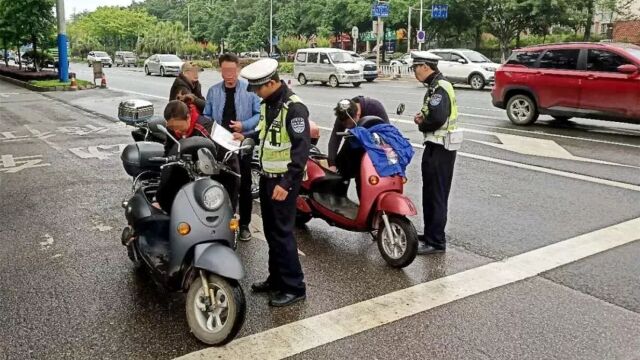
136, 157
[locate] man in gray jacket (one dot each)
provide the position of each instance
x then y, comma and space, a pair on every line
230, 104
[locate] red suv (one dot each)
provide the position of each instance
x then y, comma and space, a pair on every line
587, 80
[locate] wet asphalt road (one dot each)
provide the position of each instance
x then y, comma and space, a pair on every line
67, 289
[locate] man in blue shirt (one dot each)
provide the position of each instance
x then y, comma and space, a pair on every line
230, 104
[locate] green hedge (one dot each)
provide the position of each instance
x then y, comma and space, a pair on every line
285, 68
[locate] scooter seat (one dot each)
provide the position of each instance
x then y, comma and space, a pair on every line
331, 183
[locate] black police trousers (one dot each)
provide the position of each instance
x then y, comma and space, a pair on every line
278, 219
437, 174
246, 198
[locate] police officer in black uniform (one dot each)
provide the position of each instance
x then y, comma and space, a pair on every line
436, 120
284, 140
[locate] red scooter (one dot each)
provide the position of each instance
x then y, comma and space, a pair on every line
382, 211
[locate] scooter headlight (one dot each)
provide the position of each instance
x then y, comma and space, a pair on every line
213, 198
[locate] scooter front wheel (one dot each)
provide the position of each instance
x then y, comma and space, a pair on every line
399, 246
217, 317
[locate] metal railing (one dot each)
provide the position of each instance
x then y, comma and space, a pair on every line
396, 70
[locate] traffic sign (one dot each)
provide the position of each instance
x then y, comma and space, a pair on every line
421, 36
354, 32
439, 12
380, 10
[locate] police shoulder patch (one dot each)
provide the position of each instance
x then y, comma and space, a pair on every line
298, 125
436, 99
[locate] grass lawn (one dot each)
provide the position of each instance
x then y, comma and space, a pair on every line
53, 83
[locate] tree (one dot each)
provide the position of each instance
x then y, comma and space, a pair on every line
110, 28
164, 37
505, 19
32, 21
291, 44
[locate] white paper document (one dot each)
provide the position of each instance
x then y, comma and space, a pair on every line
224, 137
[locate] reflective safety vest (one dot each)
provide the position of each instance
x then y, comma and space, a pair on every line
275, 148
451, 124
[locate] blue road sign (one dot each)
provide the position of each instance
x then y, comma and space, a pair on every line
380, 10
439, 12
421, 36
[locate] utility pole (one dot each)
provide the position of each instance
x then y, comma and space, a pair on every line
421, 29
409, 31
188, 17
271, 30
63, 60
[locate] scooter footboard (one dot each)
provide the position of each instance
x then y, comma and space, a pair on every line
218, 259
396, 203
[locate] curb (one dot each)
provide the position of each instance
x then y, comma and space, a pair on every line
28, 86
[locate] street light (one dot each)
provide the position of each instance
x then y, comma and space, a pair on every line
271, 30
188, 17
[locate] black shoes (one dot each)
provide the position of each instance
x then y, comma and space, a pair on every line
281, 299
427, 249
424, 249
262, 287
245, 233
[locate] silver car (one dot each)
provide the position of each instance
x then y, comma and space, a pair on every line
163, 64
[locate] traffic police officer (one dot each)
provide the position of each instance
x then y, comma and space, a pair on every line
437, 121
283, 135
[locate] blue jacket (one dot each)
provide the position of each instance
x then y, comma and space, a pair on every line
391, 136
247, 105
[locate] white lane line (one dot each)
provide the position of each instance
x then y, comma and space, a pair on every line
302, 335
548, 134
140, 93
541, 169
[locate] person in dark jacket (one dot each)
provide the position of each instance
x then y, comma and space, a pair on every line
360, 107
186, 86
347, 161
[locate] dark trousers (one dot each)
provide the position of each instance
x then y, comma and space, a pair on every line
348, 162
278, 218
230, 182
437, 174
246, 198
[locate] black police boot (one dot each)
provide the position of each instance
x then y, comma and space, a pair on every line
262, 287
245, 233
426, 249
281, 299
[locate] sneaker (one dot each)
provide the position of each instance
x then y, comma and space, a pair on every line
245, 233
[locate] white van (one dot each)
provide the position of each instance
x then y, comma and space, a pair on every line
327, 65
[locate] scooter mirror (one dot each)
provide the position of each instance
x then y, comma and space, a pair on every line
344, 104
247, 146
400, 109
161, 128
206, 161
154, 123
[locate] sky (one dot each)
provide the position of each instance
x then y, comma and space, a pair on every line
82, 5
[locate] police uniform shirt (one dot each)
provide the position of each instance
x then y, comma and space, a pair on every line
438, 105
297, 122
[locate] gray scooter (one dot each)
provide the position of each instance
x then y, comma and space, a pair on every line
192, 248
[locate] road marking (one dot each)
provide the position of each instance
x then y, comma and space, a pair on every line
550, 135
532, 146
303, 335
139, 93
541, 169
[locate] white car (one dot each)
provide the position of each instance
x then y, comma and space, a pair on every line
100, 56
369, 68
163, 64
327, 65
404, 60
465, 66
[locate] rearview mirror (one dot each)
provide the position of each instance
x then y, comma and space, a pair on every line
247, 146
155, 124
344, 104
206, 161
400, 109
325, 61
627, 69
462, 61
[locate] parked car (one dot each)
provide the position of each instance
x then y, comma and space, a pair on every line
403, 60
465, 66
125, 58
327, 65
163, 64
369, 68
588, 80
100, 56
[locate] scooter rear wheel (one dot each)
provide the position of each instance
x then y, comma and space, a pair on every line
215, 324
400, 250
